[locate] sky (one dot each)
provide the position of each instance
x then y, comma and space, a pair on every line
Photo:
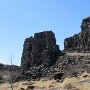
20, 19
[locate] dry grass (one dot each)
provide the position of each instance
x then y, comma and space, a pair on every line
80, 83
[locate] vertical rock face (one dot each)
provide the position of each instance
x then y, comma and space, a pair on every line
40, 50
79, 42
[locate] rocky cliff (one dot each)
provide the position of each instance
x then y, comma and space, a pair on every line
41, 56
79, 42
40, 50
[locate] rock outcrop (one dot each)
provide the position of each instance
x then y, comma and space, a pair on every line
40, 50
9, 73
41, 56
79, 42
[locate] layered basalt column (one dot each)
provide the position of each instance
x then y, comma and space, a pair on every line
40, 50
79, 42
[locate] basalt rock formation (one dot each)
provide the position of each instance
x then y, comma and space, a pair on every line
79, 42
41, 56
40, 50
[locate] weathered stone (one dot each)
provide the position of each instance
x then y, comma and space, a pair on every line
58, 75
40, 50
79, 42
9, 73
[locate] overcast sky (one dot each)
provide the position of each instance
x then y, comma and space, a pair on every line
20, 19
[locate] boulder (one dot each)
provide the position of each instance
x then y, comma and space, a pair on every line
58, 75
